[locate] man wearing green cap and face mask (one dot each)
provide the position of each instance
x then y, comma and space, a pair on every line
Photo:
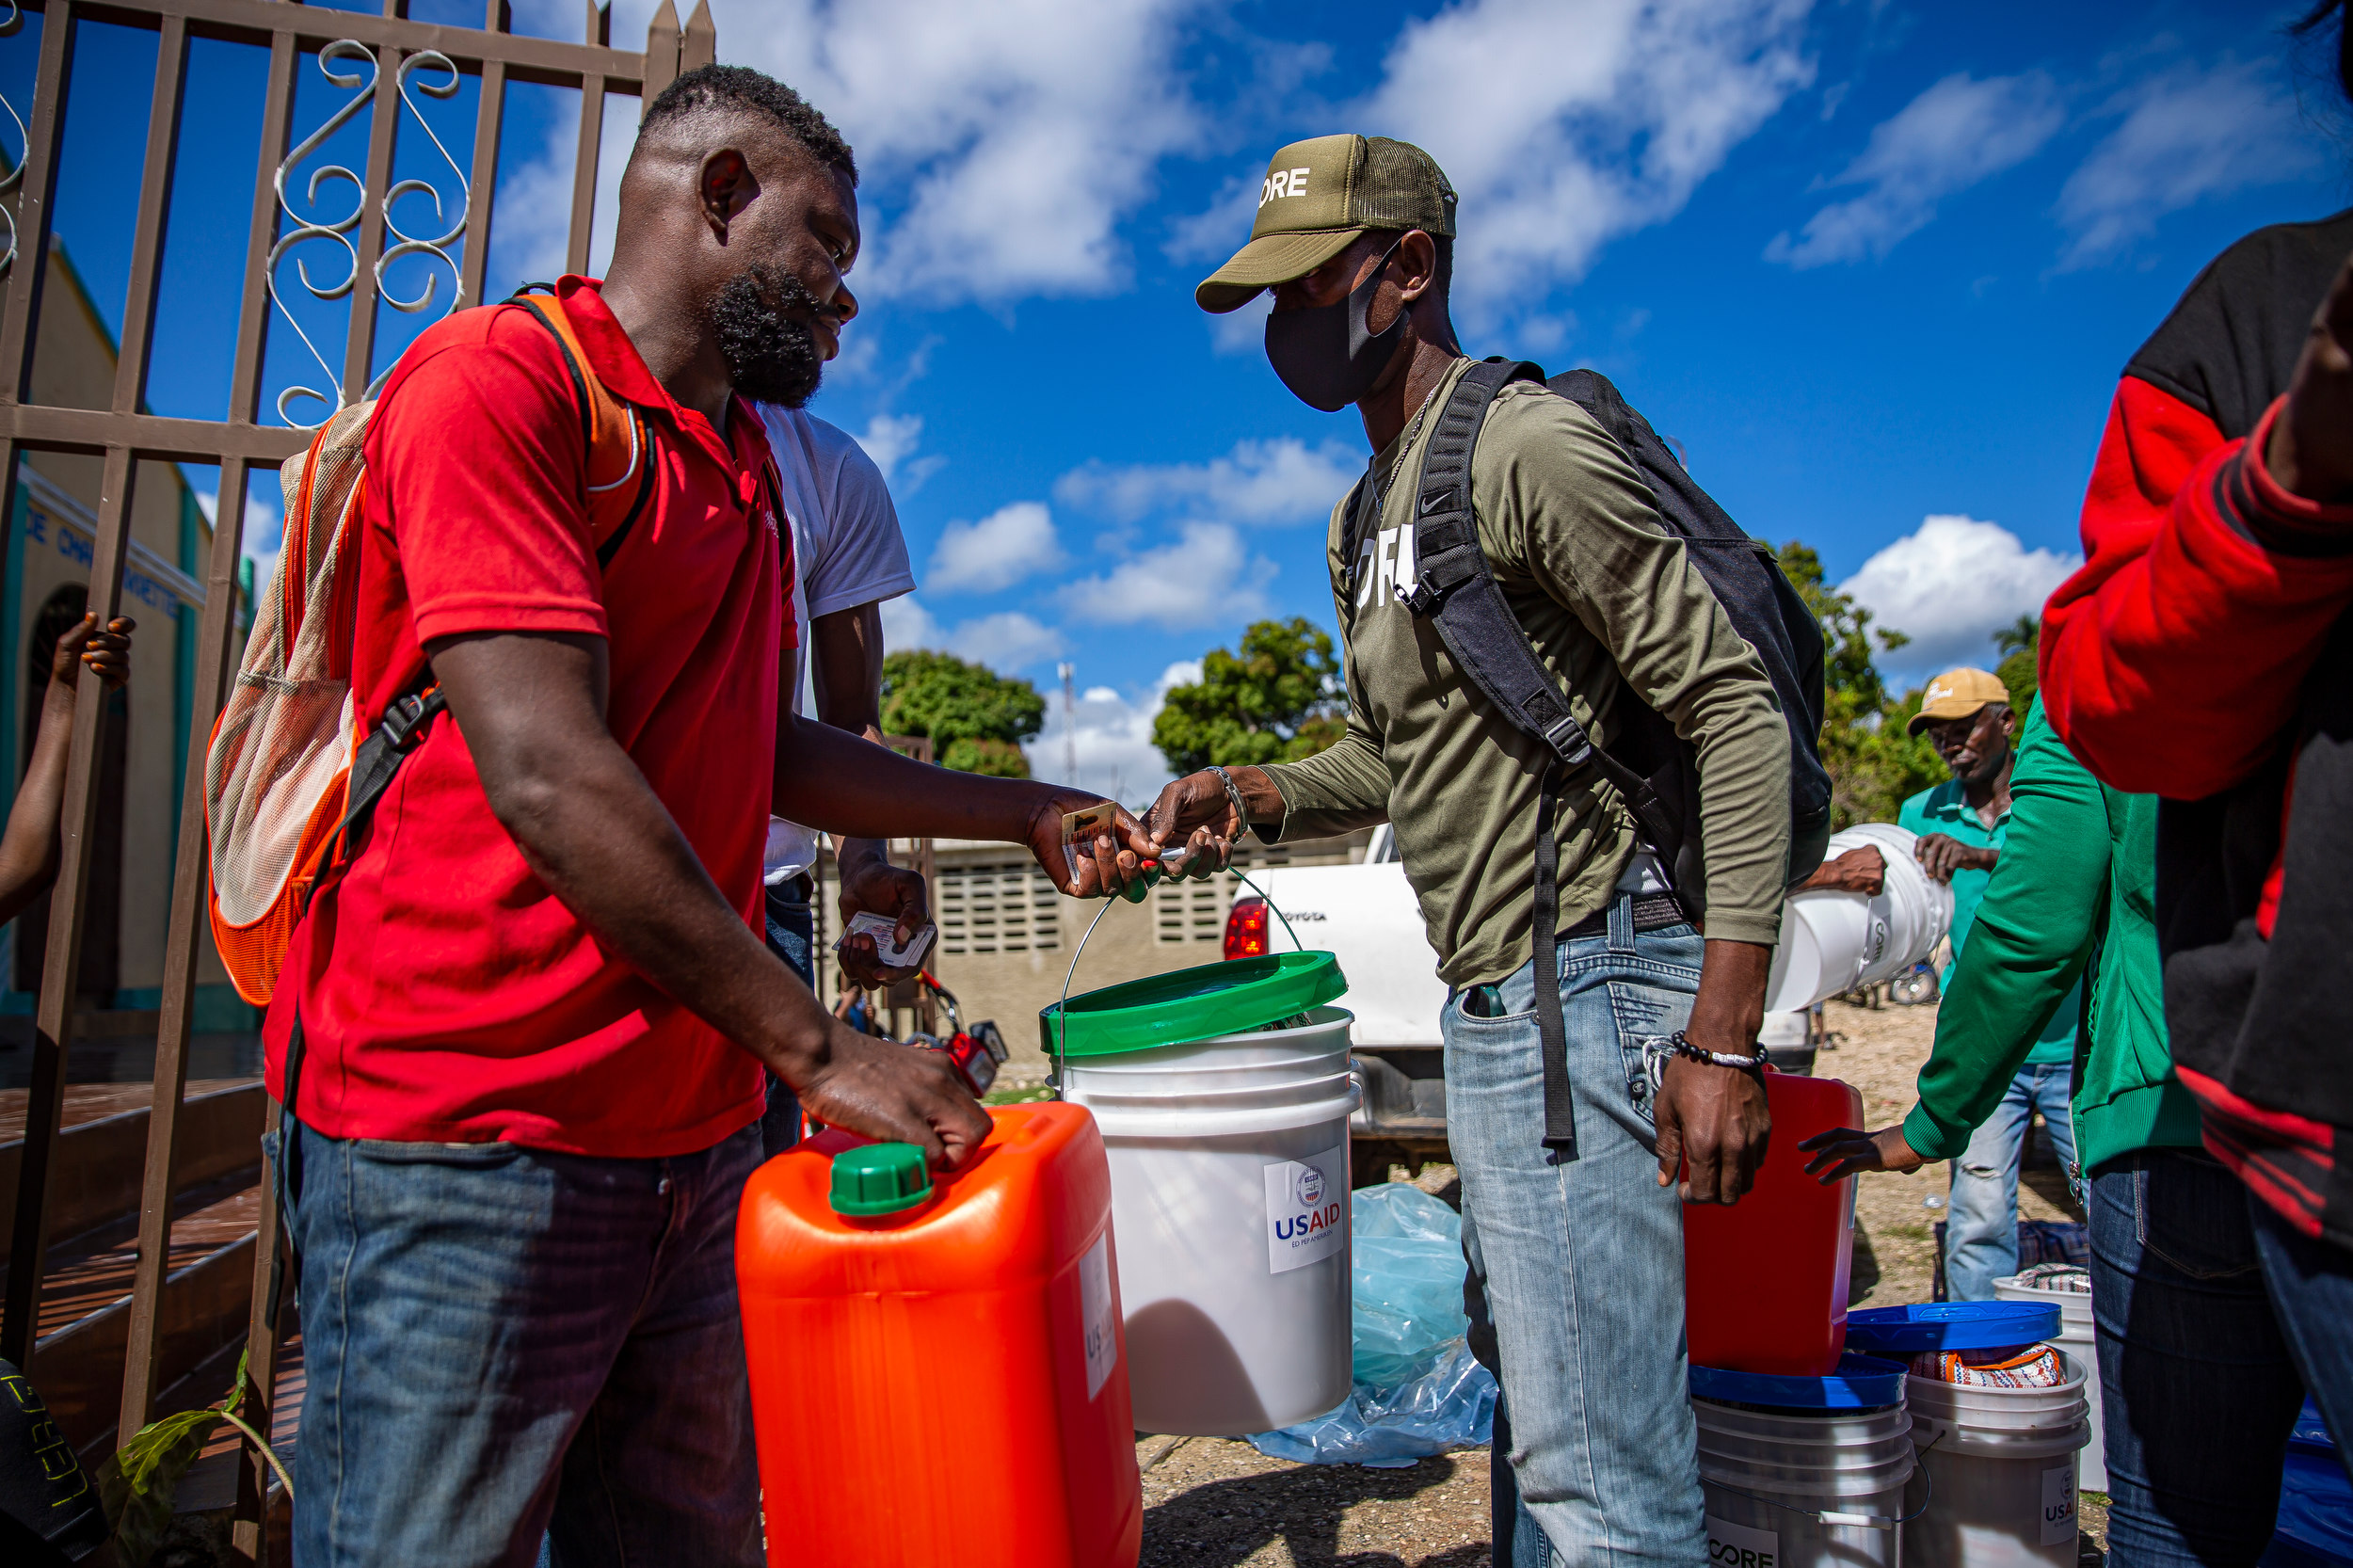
1575, 1259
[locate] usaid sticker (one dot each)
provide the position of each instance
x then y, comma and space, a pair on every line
2059, 1505
1731, 1545
1095, 1314
1307, 1209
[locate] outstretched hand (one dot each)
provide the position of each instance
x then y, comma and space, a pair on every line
107, 652
2311, 450
1194, 814
1843, 1150
1112, 863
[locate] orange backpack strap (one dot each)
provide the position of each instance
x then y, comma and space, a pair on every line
617, 437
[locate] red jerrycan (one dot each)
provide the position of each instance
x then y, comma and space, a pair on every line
936, 1364
1764, 1280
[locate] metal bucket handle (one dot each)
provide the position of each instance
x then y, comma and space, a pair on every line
1062, 1010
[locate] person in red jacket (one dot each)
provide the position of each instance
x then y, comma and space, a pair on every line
2203, 653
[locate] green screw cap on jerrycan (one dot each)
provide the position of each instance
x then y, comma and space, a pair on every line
879, 1178
1236, 996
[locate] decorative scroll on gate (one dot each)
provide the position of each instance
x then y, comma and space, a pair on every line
305, 210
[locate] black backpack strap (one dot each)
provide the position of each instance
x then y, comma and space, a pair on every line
1456, 588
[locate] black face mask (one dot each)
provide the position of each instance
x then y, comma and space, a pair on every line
1325, 355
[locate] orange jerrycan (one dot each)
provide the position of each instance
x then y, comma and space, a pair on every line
936, 1364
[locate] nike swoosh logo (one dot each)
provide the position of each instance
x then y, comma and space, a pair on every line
1432, 503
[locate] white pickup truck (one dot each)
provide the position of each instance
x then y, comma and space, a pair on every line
1367, 915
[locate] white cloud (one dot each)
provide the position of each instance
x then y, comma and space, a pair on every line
891, 441
1564, 126
1206, 578
1006, 140
1949, 585
1278, 481
2189, 134
996, 552
1007, 642
1955, 134
1114, 732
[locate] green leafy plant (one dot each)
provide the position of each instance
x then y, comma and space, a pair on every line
1277, 699
1873, 764
976, 718
138, 1482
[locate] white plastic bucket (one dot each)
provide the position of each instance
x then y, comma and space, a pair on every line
1832, 942
2078, 1339
1229, 1210
1803, 1489
2001, 1468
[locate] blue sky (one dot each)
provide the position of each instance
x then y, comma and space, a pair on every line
1875, 266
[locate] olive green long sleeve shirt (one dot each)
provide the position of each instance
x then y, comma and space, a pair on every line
2074, 896
1573, 538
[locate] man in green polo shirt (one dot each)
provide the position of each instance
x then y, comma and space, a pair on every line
1576, 1263
1963, 825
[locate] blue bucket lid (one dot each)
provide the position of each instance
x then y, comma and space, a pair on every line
1861, 1383
1951, 1326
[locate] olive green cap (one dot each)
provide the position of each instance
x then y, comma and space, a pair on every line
1317, 196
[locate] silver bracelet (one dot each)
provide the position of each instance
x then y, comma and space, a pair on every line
1233, 792
1658, 1050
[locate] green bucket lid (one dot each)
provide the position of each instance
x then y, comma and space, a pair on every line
879, 1178
1237, 996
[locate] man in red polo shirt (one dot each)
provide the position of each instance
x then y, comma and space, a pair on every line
519, 1042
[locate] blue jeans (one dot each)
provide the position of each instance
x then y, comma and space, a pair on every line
792, 936
502, 1343
1981, 1234
1577, 1267
2312, 1290
2197, 1386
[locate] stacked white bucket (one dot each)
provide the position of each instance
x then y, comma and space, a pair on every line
1832, 942
1229, 1207
2001, 1473
2075, 1337
1803, 1489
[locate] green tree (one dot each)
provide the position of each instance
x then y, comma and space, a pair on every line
2021, 648
976, 718
1276, 700
1873, 764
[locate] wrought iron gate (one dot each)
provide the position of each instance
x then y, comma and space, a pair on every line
379, 59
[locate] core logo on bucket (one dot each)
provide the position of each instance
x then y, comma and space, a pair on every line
1306, 1223
1731, 1545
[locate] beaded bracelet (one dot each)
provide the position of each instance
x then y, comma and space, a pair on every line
1658, 1049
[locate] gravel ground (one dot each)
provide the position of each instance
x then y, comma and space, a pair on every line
1212, 1502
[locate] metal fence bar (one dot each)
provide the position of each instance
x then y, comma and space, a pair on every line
163, 1125
482, 185
383, 127
53, 1029
700, 45
591, 143
662, 41
42, 144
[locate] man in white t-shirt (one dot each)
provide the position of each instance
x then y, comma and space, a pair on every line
848, 557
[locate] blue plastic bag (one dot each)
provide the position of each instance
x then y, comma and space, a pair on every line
1416, 1390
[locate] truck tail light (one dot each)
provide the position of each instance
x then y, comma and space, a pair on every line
1245, 928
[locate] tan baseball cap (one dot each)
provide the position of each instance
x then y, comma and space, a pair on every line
1956, 695
1317, 196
